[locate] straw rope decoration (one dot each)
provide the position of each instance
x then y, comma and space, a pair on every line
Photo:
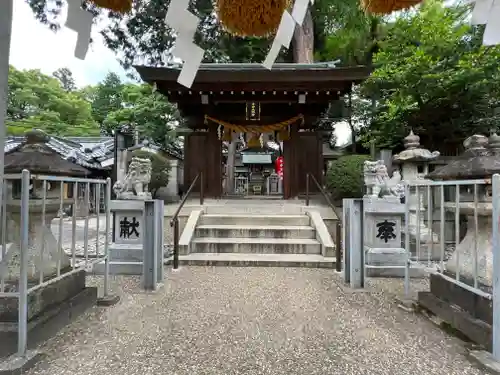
387, 6
255, 128
119, 6
250, 18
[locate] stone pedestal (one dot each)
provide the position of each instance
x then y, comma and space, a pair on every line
126, 252
384, 254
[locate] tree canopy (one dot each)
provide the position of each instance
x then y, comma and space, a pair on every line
56, 106
36, 100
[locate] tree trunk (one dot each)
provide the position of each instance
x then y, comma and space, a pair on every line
231, 155
303, 41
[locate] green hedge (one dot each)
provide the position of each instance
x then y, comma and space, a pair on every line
344, 178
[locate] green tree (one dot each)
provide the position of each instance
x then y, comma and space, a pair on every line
106, 98
160, 170
36, 100
65, 76
433, 76
149, 111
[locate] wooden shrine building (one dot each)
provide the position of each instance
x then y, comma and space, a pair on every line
224, 99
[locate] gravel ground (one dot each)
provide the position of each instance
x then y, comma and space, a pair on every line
231, 321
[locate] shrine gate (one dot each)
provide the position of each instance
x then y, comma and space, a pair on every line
287, 101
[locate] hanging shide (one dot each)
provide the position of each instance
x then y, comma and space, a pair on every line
245, 18
384, 7
119, 6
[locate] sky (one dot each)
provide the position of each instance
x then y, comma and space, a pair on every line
34, 46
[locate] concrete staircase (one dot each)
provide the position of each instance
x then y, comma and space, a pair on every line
263, 239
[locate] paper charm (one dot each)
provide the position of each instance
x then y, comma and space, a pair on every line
79, 20
481, 12
299, 11
283, 38
272, 55
184, 24
286, 29
491, 34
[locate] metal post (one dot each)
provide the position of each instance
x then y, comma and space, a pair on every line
307, 189
176, 243
6, 11
159, 219
496, 267
407, 238
23, 272
338, 252
202, 189
149, 248
356, 262
346, 207
106, 244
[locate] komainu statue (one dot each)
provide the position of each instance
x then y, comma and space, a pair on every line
135, 184
378, 182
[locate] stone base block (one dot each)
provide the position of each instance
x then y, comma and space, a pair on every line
129, 268
465, 311
47, 323
382, 262
43, 298
16, 365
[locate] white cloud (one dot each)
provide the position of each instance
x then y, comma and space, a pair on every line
34, 46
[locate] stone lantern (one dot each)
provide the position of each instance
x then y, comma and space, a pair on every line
37, 157
414, 162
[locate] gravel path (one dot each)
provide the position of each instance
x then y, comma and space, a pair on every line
232, 321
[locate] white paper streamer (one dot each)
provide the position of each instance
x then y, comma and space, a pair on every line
184, 24
272, 55
286, 29
299, 11
79, 20
491, 34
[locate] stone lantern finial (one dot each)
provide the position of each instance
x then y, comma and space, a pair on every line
494, 142
412, 141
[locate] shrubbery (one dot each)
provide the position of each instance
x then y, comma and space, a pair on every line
344, 178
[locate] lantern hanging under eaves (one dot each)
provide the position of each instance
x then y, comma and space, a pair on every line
250, 18
383, 7
118, 6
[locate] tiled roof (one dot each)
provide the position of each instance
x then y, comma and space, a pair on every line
89, 152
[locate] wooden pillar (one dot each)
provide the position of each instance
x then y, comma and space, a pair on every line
290, 173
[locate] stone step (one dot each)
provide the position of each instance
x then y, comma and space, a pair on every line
243, 219
254, 208
255, 245
255, 231
255, 260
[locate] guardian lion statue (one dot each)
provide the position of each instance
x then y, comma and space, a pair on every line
135, 185
378, 182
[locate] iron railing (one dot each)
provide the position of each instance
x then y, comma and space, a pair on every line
32, 257
174, 222
435, 237
338, 229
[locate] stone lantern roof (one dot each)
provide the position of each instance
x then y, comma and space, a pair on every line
413, 152
481, 159
37, 157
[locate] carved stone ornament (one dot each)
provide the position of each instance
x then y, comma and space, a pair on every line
379, 183
136, 182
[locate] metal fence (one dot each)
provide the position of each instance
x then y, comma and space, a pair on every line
448, 228
40, 246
